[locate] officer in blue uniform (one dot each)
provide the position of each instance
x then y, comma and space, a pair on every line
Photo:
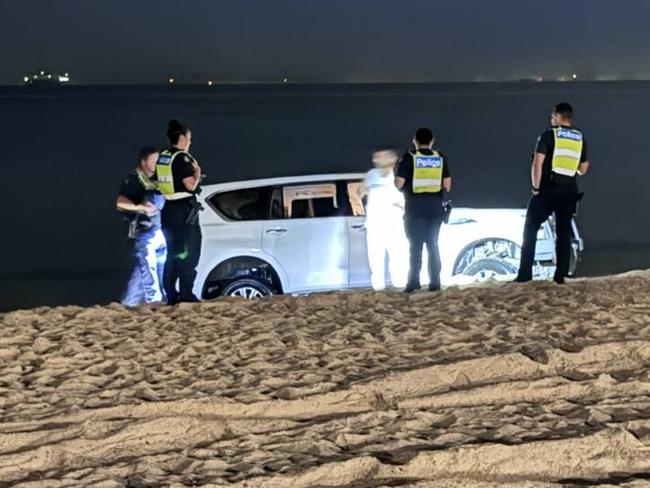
140, 200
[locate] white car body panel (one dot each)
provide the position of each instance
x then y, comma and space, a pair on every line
327, 253
312, 252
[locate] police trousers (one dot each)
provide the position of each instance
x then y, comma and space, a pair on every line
145, 283
423, 232
559, 200
183, 252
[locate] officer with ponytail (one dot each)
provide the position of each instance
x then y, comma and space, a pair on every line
179, 177
560, 156
424, 177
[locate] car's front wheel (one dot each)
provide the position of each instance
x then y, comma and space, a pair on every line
487, 269
247, 288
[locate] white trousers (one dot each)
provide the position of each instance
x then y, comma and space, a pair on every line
386, 239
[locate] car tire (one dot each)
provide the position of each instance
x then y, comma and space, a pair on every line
247, 288
485, 269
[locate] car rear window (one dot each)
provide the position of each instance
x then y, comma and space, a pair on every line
242, 205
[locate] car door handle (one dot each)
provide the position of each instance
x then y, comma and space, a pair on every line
359, 226
276, 231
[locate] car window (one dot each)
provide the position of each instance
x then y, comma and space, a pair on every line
242, 205
309, 201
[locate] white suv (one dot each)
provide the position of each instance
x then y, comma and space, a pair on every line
306, 234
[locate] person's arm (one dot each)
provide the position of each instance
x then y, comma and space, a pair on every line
130, 192
446, 184
542, 148
446, 174
536, 171
362, 189
402, 171
192, 182
187, 170
125, 204
584, 160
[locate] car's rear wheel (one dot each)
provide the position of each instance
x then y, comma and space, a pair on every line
487, 269
247, 288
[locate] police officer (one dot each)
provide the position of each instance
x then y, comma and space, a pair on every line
560, 155
139, 197
179, 176
424, 177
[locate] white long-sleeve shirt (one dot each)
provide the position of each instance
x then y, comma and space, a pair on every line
384, 200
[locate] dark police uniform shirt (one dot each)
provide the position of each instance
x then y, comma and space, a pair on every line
176, 211
546, 145
423, 205
133, 189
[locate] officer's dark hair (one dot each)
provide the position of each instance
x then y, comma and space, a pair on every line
564, 109
145, 152
424, 136
175, 130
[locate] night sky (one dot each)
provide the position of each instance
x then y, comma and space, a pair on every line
146, 41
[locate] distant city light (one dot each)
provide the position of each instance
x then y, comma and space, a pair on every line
210, 83
172, 81
46, 77
285, 80
575, 76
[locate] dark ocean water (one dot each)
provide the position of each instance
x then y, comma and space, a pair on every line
67, 148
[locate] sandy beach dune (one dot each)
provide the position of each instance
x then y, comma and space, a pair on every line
504, 385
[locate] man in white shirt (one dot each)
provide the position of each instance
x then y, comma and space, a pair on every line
385, 221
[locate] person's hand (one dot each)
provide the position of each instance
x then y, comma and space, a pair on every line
148, 209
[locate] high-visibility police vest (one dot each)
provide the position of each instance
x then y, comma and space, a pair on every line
427, 172
568, 150
166, 176
145, 181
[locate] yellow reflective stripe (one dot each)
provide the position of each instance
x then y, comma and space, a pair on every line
567, 152
145, 181
178, 196
560, 152
426, 178
427, 183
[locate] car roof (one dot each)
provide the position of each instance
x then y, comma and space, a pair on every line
285, 180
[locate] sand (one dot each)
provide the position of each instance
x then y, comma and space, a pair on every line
503, 385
